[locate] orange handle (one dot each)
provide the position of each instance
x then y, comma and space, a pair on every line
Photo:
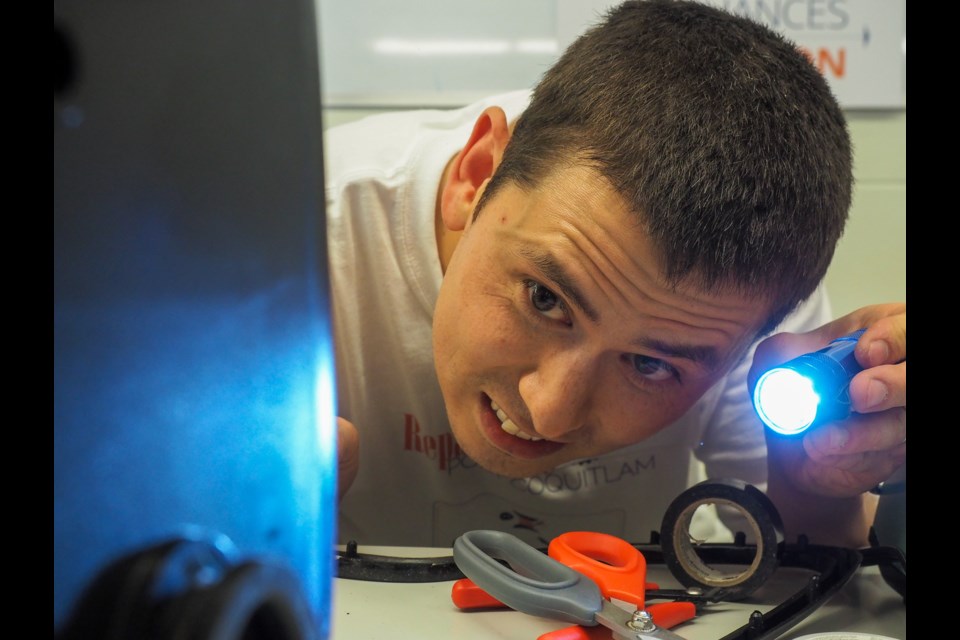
617, 567
670, 614
577, 632
467, 595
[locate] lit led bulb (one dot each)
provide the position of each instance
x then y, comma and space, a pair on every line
809, 389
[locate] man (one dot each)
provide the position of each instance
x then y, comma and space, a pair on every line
546, 307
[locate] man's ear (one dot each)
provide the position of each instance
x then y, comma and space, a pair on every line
472, 168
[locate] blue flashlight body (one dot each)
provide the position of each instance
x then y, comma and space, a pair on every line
810, 389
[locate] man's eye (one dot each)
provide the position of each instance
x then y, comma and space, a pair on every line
652, 368
546, 301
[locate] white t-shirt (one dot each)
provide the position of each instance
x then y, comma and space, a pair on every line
415, 487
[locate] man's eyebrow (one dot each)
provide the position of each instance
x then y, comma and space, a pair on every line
553, 270
704, 355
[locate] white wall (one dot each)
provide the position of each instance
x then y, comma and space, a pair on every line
870, 264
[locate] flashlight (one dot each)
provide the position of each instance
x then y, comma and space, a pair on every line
809, 389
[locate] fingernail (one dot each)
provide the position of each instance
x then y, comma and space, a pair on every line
838, 438
832, 438
877, 392
878, 352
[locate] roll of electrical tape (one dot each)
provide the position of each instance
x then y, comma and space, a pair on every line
741, 573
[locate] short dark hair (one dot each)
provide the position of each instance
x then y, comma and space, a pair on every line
719, 133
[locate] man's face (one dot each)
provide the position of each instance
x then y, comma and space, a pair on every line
555, 338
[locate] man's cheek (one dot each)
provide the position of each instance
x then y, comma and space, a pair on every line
501, 344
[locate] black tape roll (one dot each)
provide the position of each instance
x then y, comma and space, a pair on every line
688, 562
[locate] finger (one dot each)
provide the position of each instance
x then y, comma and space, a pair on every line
883, 342
883, 322
848, 475
777, 349
885, 338
858, 434
877, 465
879, 388
863, 471
769, 353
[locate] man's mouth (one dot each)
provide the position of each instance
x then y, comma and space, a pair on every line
504, 434
509, 426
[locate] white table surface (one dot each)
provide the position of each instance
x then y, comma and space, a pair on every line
374, 610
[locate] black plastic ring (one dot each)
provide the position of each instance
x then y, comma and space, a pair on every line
687, 559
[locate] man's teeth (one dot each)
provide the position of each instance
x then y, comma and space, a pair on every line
507, 424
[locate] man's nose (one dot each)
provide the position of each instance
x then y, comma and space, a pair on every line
557, 393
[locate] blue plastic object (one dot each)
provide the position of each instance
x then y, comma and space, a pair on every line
194, 429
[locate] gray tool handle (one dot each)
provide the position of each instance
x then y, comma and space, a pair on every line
534, 583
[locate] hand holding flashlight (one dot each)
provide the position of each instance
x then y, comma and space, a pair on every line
851, 435
820, 477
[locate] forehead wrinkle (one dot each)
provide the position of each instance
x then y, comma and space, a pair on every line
608, 270
603, 269
646, 286
544, 261
585, 233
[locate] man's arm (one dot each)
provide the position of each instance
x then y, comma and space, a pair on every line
820, 481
